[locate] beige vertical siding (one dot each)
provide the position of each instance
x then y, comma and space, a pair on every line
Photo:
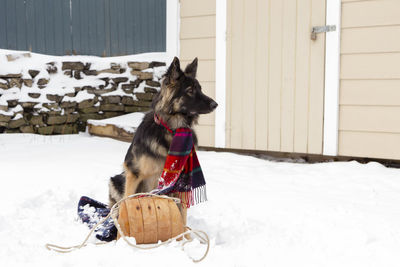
275, 75
197, 39
370, 79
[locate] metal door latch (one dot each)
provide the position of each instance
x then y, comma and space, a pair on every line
319, 29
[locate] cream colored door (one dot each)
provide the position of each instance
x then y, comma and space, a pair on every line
275, 75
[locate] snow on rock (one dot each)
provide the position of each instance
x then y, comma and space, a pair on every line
39, 61
128, 122
80, 96
258, 213
7, 113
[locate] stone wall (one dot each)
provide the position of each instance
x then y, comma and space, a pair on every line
61, 96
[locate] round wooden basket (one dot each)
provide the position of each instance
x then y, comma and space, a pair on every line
150, 219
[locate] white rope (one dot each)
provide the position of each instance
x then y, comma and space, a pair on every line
202, 236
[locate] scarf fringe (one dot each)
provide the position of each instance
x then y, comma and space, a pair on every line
193, 197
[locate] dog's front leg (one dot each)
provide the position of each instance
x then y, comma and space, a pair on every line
184, 214
131, 183
183, 211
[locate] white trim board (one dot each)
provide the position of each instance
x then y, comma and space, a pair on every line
172, 31
332, 79
220, 73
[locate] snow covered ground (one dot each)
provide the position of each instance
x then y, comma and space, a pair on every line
259, 213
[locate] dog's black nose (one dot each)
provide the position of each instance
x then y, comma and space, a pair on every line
213, 105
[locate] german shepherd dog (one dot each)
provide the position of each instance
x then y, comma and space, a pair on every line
179, 104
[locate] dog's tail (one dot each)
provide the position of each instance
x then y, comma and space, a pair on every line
116, 188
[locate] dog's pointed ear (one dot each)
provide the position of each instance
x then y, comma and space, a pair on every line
174, 71
191, 69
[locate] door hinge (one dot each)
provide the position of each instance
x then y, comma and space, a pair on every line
319, 29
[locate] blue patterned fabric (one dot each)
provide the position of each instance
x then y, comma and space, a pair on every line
91, 212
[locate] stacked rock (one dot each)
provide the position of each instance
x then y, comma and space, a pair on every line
62, 96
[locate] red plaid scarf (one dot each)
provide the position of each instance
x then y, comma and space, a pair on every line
182, 172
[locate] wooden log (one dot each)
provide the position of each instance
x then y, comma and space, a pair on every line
163, 218
123, 220
112, 131
149, 220
135, 220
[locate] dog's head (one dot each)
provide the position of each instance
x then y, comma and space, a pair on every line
181, 93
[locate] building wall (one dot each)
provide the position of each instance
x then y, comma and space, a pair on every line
197, 39
275, 75
89, 27
369, 118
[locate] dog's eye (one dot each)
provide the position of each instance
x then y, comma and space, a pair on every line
190, 90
